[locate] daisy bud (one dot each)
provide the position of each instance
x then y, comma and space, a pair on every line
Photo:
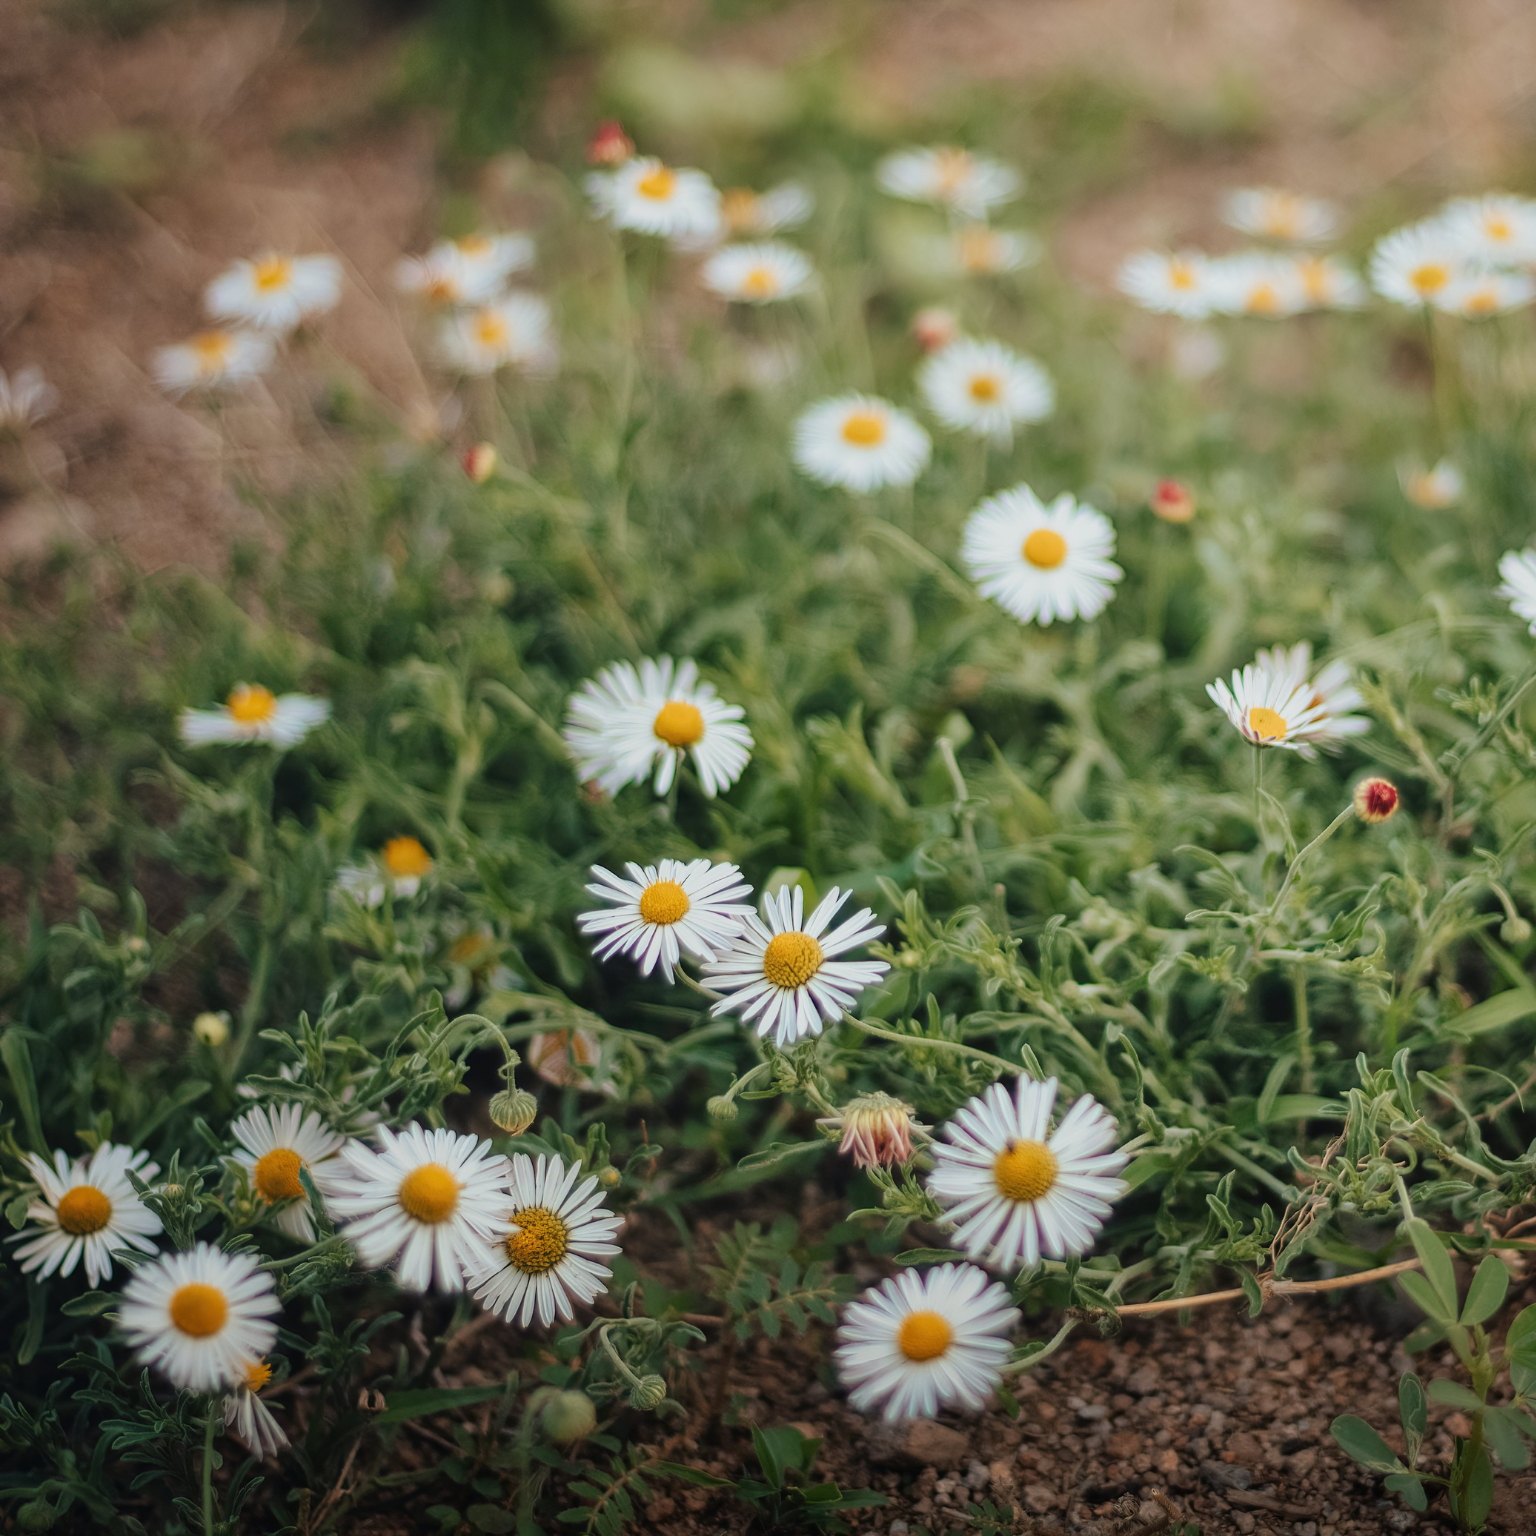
877, 1131
722, 1109
479, 462
1375, 800
568, 1417
648, 1393
38, 1515
514, 1110
610, 1177
1515, 931
1173, 502
934, 329
211, 1028
610, 145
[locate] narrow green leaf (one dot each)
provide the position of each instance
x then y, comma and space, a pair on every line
694, 1475
1486, 1294
17, 1060
1252, 1291
416, 1405
491, 1518
91, 1304
1495, 1012
1357, 1439
926, 1256
1273, 1084
1437, 1265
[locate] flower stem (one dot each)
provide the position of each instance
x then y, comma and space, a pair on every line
208, 1432
943, 1045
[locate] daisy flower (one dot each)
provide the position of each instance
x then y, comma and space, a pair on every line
655, 199
512, 331
549, 1250
1179, 284
275, 1144
25, 398
985, 388
402, 864
860, 443
201, 1316
473, 270
212, 360
1270, 708
1498, 229
953, 178
1332, 690
1518, 568
428, 1199
1433, 489
757, 274
85, 1208
780, 973
1414, 264
253, 713
1328, 283
566, 1058
1041, 563
1260, 283
274, 292
1016, 1193
920, 1342
248, 1417
1272, 214
625, 722
1480, 295
665, 910
745, 212
984, 252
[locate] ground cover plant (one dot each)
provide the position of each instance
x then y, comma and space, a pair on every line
783, 725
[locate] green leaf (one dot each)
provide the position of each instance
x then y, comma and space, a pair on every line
1272, 1086
1422, 1294
1409, 1488
1486, 1294
1495, 1012
694, 1475
1437, 1266
492, 1518
18, 1065
1252, 1291
1443, 1390
1503, 1432
780, 1152
1413, 1409
415, 1405
1473, 1510
91, 1304
926, 1256
1425, 1336
1357, 1439
37, 1316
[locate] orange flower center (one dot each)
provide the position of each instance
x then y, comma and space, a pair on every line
272, 273
1496, 227
1282, 216
986, 389
276, 1175
540, 1242
251, 704
864, 429
198, 1310
212, 350
429, 1193
257, 1374
1484, 301
1267, 724
952, 166
1430, 278
490, 328
1025, 1171
979, 250
83, 1210
405, 857
760, 283
791, 959
657, 185
664, 902
739, 206
924, 1336
1181, 275
1045, 549
474, 245
679, 723
1263, 299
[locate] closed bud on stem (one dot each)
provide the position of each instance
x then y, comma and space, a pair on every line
37, 1515
567, 1417
934, 329
1173, 501
1376, 800
722, 1108
514, 1110
211, 1028
877, 1130
479, 462
610, 145
1515, 931
647, 1393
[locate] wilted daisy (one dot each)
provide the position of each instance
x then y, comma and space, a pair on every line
1482, 295
513, 331
786, 206
876, 1130
400, 867
254, 713
275, 1145
212, 360
1017, 1191
553, 1255
757, 274
201, 1316
953, 178
1273, 214
860, 443
985, 388
1041, 563
1179, 284
1264, 284
428, 1200
666, 910
625, 722
1269, 707
1328, 283
25, 398
1496, 229
920, 1342
1415, 264
781, 975
1434, 489
275, 292
1332, 691
656, 199
565, 1058
248, 1417
85, 1208
1518, 568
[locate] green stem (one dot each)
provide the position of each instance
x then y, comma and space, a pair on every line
943, 1045
208, 1433
1056, 1341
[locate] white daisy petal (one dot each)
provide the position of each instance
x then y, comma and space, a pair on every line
1273, 706
985, 388
656, 199
1272, 214
275, 292
253, 713
513, 331
275, 1144
1518, 568
860, 443
675, 907
1416, 264
952, 178
212, 360
1180, 284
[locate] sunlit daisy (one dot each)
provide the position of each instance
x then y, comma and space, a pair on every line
249, 1418
786, 206
200, 1316
276, 1144
275, 292
656, 199
1179, 284
860, 443
1482, 295
1497, 229
666, 910
953, 178
627, 722
1040, 562
473, 270
757, 274
1332, 690
1518, 568
985, 388
1263, 284
781, 975
1270, 708
212, 360
1272, 214
25, 398
1434, 489
1328, 283
428, 1200
85, 1208
1017, 1191
253, 713
513, 331
400, 867
566, 1058
1415, 264
917, 1343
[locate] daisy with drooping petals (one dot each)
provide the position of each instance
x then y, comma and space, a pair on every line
860, 443
625, 722
402, 864
953, 178
253, 713
25, 398
200, 1316
513, 331
274, 292
1482, 295
1332, 690
566, 1058
1016, 1193
1041, 563
553, 1255
249, 1418
1180, 284
85, 1208
1518, 568
985, 388
1328, 283
920, 1342
1498, 230
1263, 284
877, 1130
780, 973
1272, 214
656, 199
1269, 708
275, 1145
786, 206
757, 274
666, 910
1414, 264
212, 360
429, 1200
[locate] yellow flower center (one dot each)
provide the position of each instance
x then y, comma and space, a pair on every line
986, 389
1430, 278
679, 723
1496, 227
739, 207
1267, 724
272, 273
1282, 217
83, 1210
540, 1242
490, 328
1045, 549
1181, 275
472, 949
251, 704
276, 1175
952, 167
257, 1374
474, 245
1314, 278
924, 1335
1484, 301
664, 902
429, 1193
791, 959
1025, 1171
404, 857
864, 429
1263, 299
198, 1310
658, 185
760, 283
980, 250
212, 350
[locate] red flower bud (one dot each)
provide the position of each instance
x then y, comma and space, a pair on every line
610, 145
479, 462
1376, 799
1173, 501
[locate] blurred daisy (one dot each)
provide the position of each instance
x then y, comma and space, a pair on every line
985, 388
1016, 1193
566, 1058
781, 975
212, 360
1272, 214
512, 331
1328, 283
1270, 708
277, 1144
473, 270
200, 1316
979, 251
428, 1200
1041, 563
1433, 489
1497, 229
1481, 295
625, 722
917, 1343
666, 910
1518, 568
953, 178
273, 292
757, 274
745, 212
860, 443
1415, 264
1332, 690
25, 398
85, 1208
655, 199
249, 1418
1180, 284
402, 864
253, 713
1259, 283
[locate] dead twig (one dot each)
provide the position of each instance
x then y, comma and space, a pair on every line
1269, 1288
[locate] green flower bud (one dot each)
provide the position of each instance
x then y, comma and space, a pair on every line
38, 1515
648, 1394
211, 1028
610, 1177
722, 1109
568, 1417
1515, 931
514, 1110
